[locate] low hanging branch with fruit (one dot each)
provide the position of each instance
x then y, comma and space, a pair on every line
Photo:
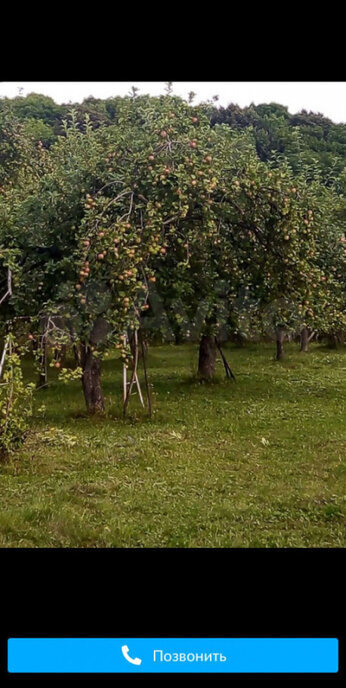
51, 329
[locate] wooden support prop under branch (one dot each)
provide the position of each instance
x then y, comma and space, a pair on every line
228, 369
7, 341
145, 374
134, 380
3, 356
43, 361
9, 286
127, 386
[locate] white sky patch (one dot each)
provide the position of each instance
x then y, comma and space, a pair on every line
328, 98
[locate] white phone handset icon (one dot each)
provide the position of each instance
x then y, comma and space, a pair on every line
125, 651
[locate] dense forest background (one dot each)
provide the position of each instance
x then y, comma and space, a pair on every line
303, 138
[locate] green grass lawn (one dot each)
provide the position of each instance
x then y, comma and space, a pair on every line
256, 463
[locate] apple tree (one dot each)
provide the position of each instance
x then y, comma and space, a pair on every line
89, 216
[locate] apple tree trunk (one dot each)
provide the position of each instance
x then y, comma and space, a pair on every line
304, 339
280, 336
91, 381
207, 357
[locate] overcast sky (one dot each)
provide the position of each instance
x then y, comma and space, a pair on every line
329, 98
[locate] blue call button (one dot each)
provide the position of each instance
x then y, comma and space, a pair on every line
173, 655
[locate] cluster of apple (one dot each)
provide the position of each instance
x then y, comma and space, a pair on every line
90, 202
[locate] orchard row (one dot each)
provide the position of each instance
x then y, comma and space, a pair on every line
163, 202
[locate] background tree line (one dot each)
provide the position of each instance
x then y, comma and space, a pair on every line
301, 137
